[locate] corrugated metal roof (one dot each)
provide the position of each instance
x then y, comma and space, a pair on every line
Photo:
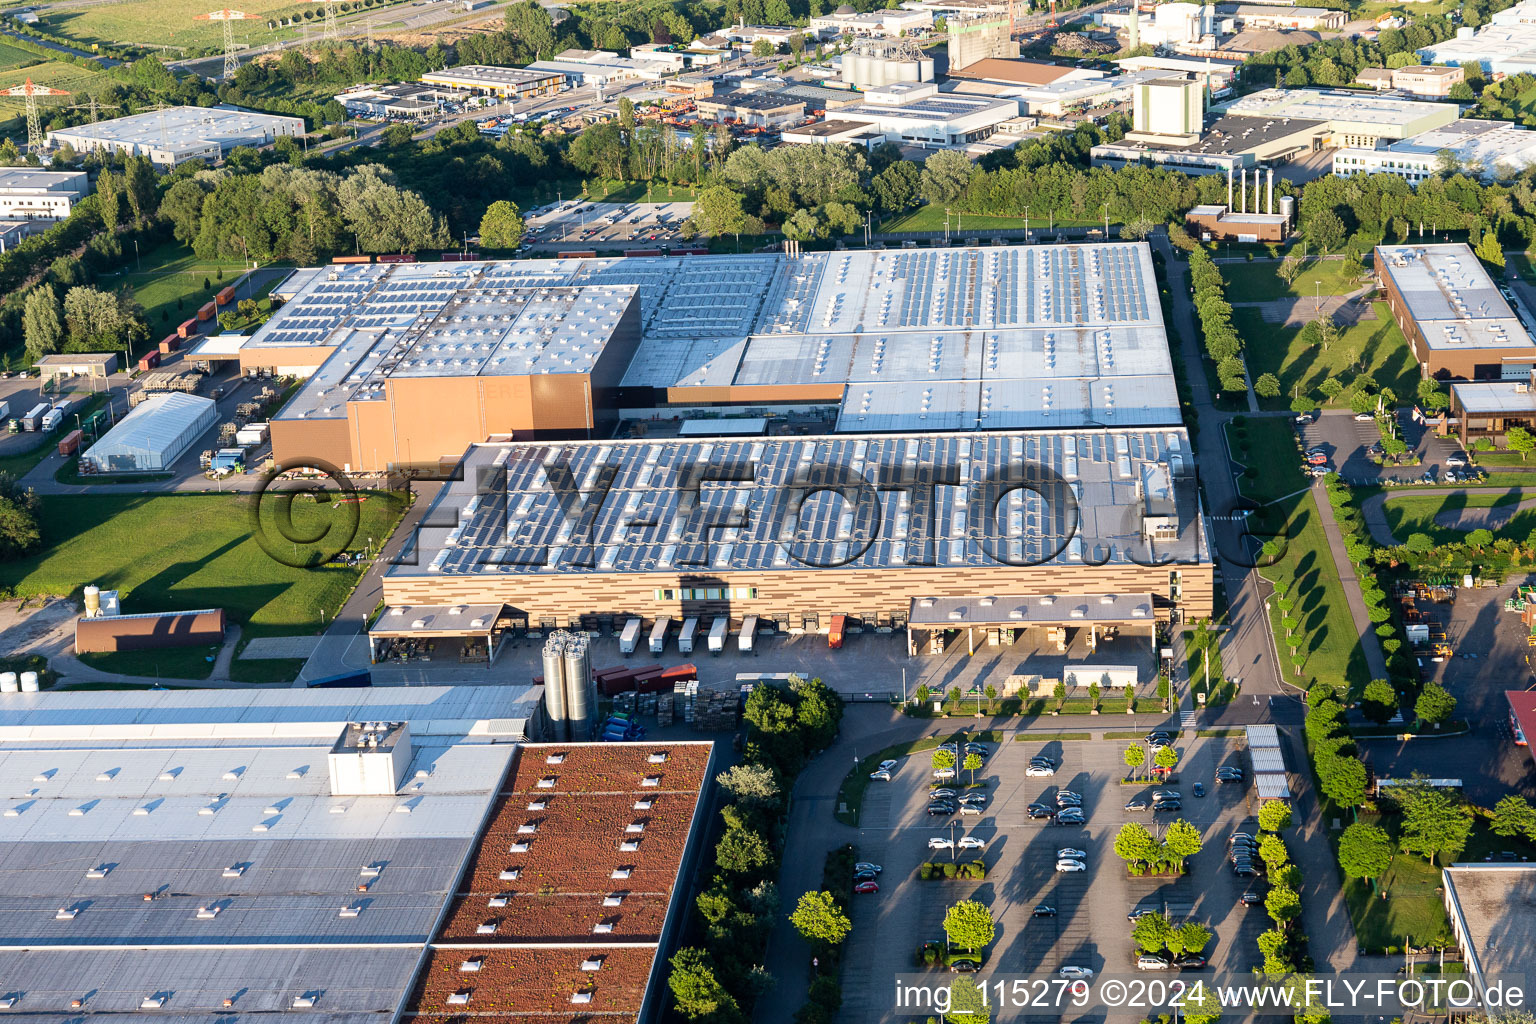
1267, 759
1271, 786
1263, 736
157, 426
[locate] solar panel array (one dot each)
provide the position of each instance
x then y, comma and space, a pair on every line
765, 504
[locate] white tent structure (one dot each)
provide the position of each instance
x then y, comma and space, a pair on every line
153, 435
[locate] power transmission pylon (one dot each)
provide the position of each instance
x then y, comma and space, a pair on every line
93, 106
231, 62
34, 122
330, 19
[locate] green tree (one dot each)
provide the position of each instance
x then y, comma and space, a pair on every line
818, 918
1365, 851
1343, 779
742, 851
969, 925
1166, 757
19, 532
1514, 816
1135, 845
945, 176
1135, 757
762, 48
1489, 250
1272, 850
1434, 704
1267, 386
1151, 932
1190, 937
1519, 439
1331, 388
1283, 904
1325, 231
898, 187
42, 321
1182, 840
502, 226
1434, 823
972, 763
1272, 945
1274, 816
717, 211
698, 993
752, 785
943, 761
967, 1002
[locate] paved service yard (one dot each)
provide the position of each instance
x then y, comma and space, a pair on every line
1090, 928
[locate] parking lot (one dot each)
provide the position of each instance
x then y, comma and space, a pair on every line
1490, 655
1090, 928
640, 224
1347, 443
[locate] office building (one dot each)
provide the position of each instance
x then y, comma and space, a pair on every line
890, 24
917, 114
27, 194
176, 135
1492, 910
1454, 317
1229, 144
1489, 150
514, 84
760, 109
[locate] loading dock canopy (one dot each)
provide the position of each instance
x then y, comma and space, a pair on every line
437, 620
1271, 786
1030, 610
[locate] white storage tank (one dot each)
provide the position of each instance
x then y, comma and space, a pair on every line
9, 682
29, 682
92, 600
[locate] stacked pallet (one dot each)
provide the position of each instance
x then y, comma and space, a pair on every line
713, 710
665, 709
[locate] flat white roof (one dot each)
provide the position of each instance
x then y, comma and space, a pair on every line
1494, 397
183, 128
1451, 297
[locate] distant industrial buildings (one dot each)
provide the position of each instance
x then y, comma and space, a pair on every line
1352, 118
503, 83
1422, 81
873, 63
917, 114
337, 855
27, 194
400, 102
759, 109
177, 135
886, 23
977, 37
1490, 150
1275, 16
1505, 46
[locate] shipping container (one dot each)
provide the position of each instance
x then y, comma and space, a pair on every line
206, 311
460, 257
748, 634
835, 632
170, 343
685, 635
149, 631
616, 682
642, 252
394, 257
228, 458
351, 259
659, 634
187, 329
149, 360
70, 444
684, 673
630, 637
226, 296
652, 679
576, 254
717, 633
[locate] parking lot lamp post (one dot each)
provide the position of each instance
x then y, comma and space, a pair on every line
953, 856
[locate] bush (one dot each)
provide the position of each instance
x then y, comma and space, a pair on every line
950, 869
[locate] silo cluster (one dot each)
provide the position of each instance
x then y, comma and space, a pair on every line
570, 696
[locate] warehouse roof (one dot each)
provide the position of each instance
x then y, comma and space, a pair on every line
212, 714
1095, 491
1016, 71
1031, 610
1493, 912
1451, 297
179, 128
1494, 397
76, 359
485, 75
156, 424
1386, 112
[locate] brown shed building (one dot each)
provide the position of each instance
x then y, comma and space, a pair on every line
148, 631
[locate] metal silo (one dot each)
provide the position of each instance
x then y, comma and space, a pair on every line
579, 698
554, 688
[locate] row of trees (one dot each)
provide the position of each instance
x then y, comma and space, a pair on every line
719, 980
1222, 343
1144, 853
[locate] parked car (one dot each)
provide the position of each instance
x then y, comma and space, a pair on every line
1153, 962
1069, 816
1138, 804
1364, 417
1244, 871
1225, 775
1167, 806
1066, 796
1250, 899
963, 966
867, 887
1040, 811
864, 876
936, 794
1199, 789
941, 809
977, 748
1067, 852
943, 773
940, 843
973, 843
972, 809
1456, 461
1140, 912
886, 765
974, 798
865, 865
1189, 961
1235, 836
1040, 771
1069, 864
1043, 910
1076, 972
881, 776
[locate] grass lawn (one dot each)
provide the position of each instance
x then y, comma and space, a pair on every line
1412, 513
639, 192
167, 662
851, 792
931, 218
1267, 448
15, 57
1376, 346
56, 74
172, 274
1260, 281
166, 552
161, 23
